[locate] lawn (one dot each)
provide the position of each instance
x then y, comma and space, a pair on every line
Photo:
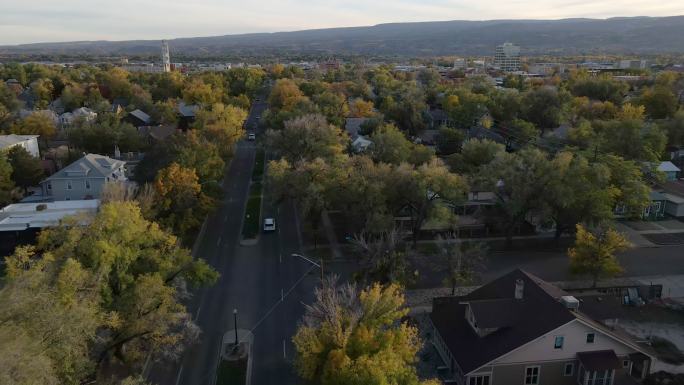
258, 171
251, 224
232, 372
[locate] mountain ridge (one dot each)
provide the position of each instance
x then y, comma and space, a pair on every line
618, 35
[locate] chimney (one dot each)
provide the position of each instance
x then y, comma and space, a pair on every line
519, 288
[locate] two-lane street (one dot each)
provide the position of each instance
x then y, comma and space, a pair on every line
263, 282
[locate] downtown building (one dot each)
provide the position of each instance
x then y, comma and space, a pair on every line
507, 57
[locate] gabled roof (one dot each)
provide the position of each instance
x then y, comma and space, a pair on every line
91, 165
12, 139
187, 110
668, 167
538, 313
142, 116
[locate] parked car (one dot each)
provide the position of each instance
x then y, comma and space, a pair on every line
269, 224
251, 136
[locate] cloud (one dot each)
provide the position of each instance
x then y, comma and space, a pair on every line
49, 21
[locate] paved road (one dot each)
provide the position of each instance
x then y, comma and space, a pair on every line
263, 282
553, 265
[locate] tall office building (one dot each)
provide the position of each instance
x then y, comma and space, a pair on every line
166, 58
507, 57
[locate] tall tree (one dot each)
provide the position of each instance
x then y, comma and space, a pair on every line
307, 137
464, 261
518, 181
26, 169
222, 125
37, 123
117, 285
594, 252
424, 192
6, 181
352, 337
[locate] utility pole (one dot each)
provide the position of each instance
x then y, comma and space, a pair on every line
235, 320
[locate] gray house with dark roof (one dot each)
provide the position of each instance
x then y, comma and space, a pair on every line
520, 330
83, 179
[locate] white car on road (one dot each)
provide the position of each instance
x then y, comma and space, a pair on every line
251, 136
269, 224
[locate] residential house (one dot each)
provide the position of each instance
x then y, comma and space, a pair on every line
56, 106
438, 118
673, 191
360, 144
28, 142
15, 86
353, 125
66, 120
26, 216
84, 178
519, 329
85, 113
669, 169
186, 115
138, 118
655, 209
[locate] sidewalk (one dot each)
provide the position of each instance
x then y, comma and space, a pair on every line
330, 234
635, 236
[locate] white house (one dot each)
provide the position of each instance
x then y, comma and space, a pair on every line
28, 142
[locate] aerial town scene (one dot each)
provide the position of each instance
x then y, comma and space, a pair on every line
435, 192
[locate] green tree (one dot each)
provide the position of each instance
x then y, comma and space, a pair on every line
26, 169
423, 192
352, 337
113, 291
523, 132
542, 107
449, 140
594, 252
518, 181
675, 129
660, 102
475, 154
6, 181
581, 193
391, 146
307, 137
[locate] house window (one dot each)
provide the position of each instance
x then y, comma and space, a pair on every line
590, 338
569, 369
87, 184
558, 342
625, 364
67, 198
482, 379
49, 186
68, 185
656, 205
532, 375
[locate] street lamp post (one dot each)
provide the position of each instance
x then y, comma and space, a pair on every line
235, 320
318, 265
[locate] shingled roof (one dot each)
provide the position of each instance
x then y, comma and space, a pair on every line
518, 321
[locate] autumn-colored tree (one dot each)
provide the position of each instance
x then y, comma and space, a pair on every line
196, 91
88, 294
180, 205
594, 252
357, 337
360, 108
285, 94
37, 123
222, 125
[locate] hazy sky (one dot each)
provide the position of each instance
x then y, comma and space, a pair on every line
26, 21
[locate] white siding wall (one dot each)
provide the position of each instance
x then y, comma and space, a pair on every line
575, 336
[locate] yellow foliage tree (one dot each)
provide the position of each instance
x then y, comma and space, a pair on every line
352, 337
594, 252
